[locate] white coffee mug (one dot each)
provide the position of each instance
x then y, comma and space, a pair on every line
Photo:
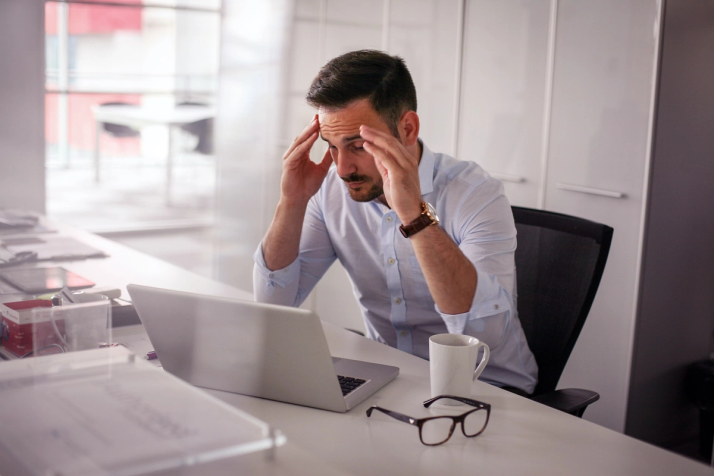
452, 358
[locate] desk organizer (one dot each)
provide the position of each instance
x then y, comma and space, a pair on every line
105, 412
35, 327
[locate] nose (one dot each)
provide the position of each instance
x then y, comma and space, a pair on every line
344, 163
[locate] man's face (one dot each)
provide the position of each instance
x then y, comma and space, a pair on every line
340, 129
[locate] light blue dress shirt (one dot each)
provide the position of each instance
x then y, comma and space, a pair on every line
386, 276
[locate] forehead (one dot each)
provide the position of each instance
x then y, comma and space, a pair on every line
338, 124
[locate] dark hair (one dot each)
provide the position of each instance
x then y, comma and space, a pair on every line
371, 74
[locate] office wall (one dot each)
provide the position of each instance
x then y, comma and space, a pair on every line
22, 120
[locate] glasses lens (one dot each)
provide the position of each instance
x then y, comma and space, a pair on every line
475, 422
436, 430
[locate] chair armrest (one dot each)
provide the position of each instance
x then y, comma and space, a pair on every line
569, 400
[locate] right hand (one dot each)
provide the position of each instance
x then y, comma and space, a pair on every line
302, 177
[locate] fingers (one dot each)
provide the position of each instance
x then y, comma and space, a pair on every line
301, 149
388, 143
311, 128
382, 159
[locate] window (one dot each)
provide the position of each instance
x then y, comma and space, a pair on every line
119, 155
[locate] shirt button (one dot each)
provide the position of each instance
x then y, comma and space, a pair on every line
391, 261
389, 219
495, 306
403, 333
270, 275
397, 301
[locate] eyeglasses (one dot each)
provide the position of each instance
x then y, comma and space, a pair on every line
436, 430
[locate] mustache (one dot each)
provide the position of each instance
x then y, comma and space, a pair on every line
353, 177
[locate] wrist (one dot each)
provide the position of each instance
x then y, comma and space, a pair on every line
409, 215
293, 203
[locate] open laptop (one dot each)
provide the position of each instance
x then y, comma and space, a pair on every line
262, 350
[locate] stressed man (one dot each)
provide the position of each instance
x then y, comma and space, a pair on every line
428, 241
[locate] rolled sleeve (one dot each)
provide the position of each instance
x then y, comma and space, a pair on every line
274, 286
490, 299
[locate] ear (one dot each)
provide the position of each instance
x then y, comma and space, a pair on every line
409, 128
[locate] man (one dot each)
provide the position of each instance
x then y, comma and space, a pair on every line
414, 274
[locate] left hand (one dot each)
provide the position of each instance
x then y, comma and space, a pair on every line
399, 170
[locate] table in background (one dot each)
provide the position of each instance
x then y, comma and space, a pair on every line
140, 116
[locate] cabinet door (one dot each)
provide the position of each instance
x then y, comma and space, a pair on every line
424, 33
603, 83
503, 89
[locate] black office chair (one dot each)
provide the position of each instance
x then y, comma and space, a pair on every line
559, 262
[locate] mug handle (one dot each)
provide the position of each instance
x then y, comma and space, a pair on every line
484, 359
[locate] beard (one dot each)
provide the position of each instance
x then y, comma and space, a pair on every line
369, 189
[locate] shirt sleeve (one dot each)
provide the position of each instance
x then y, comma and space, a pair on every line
487, 237
291, 285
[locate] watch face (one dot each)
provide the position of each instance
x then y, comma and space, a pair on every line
432, 211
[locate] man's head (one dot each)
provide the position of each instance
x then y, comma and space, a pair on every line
382, 79
363, 88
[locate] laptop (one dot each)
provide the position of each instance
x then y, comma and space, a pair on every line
262, 350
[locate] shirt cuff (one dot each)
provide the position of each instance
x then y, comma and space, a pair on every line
490, 299
282, 277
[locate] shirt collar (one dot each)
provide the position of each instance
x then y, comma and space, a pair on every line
426, 170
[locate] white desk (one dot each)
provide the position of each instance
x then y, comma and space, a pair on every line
139, 116
523, 437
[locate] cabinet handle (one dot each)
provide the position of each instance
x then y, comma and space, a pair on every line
592, 191
508, 178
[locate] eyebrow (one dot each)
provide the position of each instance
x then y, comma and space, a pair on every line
345, 140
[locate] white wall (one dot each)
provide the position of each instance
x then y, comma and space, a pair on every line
22, 106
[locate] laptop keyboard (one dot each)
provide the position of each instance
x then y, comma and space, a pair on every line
348, 384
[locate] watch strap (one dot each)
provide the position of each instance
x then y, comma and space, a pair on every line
418, 224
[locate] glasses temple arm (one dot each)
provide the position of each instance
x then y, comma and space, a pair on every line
468, 401
395, 415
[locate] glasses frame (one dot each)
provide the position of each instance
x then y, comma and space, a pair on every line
419, 422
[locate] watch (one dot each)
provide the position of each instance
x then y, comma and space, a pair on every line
428, 217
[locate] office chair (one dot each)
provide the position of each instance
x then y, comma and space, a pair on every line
559, 262
203, 129
119, 130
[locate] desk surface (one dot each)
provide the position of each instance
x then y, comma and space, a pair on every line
523, 437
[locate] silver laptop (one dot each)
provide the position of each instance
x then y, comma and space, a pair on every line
262, 350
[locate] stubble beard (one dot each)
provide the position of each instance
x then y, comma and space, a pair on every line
375, 191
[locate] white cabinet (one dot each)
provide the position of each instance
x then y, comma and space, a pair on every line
503, 92
603, 82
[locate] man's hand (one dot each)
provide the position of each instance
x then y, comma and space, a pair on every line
399, 170
302, 178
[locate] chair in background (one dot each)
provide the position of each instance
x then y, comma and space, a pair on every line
559, 262
202, 129
119, 130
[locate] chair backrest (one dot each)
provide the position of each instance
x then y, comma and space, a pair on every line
119, 130
559, 262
